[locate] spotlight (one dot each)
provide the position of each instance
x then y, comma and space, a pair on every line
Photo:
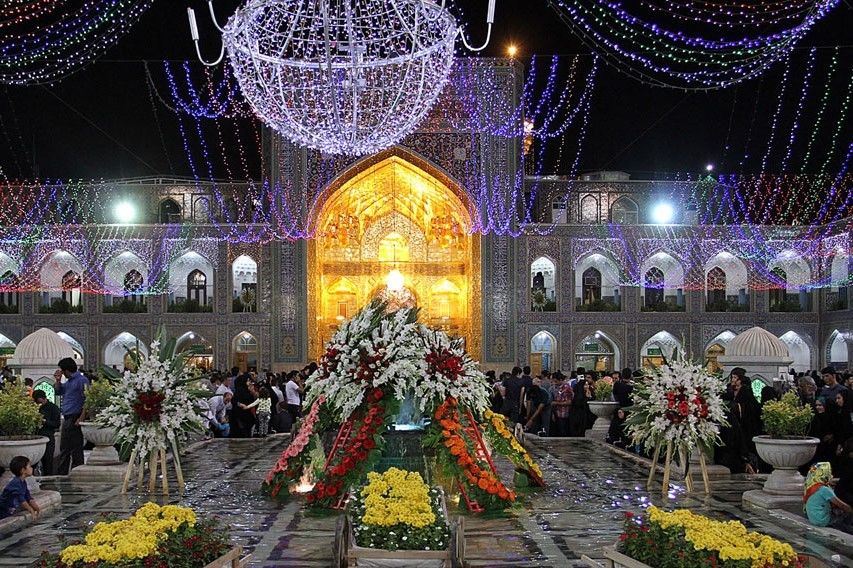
512, 50
124, 212
663, 213
709, 168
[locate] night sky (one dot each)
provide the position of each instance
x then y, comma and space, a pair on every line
99, 123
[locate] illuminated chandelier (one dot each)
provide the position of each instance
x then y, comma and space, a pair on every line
341, 76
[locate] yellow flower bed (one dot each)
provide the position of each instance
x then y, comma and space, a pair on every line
134, 538
729, 538
499, 423
397, 497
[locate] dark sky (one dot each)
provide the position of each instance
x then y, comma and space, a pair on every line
99, 123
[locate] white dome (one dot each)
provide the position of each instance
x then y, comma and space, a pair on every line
757, 342
43, 347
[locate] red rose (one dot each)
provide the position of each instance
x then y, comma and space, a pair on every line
376, 395
362, 455
369, 444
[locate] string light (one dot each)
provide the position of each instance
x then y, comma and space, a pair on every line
655, 53
45, 45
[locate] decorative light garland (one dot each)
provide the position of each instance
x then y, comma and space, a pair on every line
660, 54
44, 44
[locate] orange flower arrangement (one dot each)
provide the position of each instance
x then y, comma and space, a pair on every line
475, 475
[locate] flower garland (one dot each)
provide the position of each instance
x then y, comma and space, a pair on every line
291, 465
497, 430
683, 539
679, 404
153, 536
351, 463
452, 448
373, 349
449, 372
154, 407
396, 510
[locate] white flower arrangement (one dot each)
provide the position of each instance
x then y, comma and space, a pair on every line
450, 373
154, 407
379, 349
680, 404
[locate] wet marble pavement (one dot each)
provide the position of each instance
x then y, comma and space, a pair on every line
581, 510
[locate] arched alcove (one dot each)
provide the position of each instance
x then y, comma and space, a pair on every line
598, 352
543, 293
543, 352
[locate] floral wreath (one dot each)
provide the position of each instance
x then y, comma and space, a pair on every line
680, 404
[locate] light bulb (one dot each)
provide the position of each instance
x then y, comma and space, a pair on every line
395, 281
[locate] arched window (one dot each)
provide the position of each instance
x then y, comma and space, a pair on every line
170, 212
245, 348
9, 296
542, 292
244, 275
778, 287
133, 282
589, 210
71, 285
654, 287
542, 347
591, 285
197, 287
624, 212
716, 287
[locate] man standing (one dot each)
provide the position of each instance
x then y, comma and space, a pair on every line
73, 393
513, 393
831, 385
292, 392
51, 419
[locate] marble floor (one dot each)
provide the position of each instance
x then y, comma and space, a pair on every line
580, 511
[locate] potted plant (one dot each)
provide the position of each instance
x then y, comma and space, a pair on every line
681, 538
785, 446
98, 397
603, 407
20, 419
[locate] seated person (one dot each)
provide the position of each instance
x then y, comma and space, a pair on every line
819, 500
16, 494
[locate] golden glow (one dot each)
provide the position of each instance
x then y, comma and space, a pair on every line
511, 50
395, 281
393, 227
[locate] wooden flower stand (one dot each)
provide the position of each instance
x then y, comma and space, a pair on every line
615, 559
155, 459
348, 554
667, 469
231, 559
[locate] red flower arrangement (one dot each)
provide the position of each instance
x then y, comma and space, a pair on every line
291, 465
445, 362
148, 406
678, 404
351, 462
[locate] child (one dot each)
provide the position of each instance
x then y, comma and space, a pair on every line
264, 411
16, 494
819, 500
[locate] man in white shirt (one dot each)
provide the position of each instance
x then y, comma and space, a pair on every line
292, 391
217, 412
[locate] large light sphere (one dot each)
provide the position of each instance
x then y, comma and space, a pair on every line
341, 76
395, 281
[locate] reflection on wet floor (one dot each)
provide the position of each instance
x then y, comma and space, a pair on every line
581, 510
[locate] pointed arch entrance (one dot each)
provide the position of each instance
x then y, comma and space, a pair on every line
394, 222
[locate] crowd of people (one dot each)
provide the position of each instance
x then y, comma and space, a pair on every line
245, 405
251, 404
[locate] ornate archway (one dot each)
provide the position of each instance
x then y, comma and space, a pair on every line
394, 212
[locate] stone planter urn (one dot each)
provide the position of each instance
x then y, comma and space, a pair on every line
603, 411
785, 455
104, 439
30, 446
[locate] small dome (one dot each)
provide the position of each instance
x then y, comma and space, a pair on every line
43, 347
757, 342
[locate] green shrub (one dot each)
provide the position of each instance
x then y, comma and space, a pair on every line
603, 390
599, 306
19, 414
126, 307
98, 397
786, 417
